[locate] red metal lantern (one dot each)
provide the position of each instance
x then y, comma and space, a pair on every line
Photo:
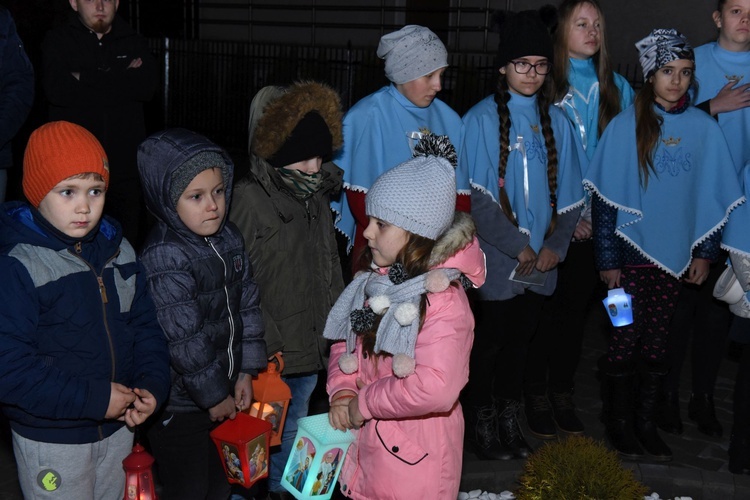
271, 398
139, 480
243, 447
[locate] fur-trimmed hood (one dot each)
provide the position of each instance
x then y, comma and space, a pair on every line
458, 248
284, 112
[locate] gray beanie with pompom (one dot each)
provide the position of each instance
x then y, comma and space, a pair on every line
418, 195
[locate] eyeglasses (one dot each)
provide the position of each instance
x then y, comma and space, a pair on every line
540, 68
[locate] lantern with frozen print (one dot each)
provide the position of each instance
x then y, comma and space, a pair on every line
315, 461
271, 398
139, 481
243, 447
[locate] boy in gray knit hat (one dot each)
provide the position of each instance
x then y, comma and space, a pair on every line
207, 304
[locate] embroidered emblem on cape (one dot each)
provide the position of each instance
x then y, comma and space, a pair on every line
671, 141
49, 480
734, 78
535, 149
672, 162
535, 129
237, 262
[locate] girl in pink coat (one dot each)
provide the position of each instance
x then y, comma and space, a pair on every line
405, 331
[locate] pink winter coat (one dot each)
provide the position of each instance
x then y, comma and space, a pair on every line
411, 445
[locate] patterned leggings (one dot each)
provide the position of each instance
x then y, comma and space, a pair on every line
654, 300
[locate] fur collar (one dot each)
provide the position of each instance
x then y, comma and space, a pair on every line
457, 236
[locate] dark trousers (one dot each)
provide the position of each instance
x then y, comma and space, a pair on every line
702, 323
187, 461
655, 295
555, 349
501, 342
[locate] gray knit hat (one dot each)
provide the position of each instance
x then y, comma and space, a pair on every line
186, 172
411, 52
418, 195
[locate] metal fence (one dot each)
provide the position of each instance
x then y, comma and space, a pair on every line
207, 86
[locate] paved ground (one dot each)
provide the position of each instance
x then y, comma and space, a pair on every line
699, 469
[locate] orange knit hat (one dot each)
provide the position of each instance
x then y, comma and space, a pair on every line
56, 151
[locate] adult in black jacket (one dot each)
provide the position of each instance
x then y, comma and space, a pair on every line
16, 91
98, 73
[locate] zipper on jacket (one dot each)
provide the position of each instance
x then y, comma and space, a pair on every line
105, 300
229, 309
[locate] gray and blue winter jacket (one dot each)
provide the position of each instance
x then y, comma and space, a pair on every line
75, 315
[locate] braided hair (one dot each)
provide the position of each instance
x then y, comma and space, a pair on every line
544, 98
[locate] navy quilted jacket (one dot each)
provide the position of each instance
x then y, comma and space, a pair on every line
207, 301
74, 316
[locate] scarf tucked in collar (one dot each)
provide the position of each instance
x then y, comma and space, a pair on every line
682, 105
300, 184
398, 304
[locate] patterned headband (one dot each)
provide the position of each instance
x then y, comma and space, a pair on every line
661, 47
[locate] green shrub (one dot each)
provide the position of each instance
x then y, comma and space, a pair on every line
577, 468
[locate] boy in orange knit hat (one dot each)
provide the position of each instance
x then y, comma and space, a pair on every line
82, 357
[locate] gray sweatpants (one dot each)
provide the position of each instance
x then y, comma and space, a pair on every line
49, 471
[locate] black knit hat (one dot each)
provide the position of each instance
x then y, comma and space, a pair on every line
310, 138
523, 34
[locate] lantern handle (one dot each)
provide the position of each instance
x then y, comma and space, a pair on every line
278, 360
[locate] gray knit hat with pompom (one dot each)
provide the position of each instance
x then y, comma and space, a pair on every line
418, 195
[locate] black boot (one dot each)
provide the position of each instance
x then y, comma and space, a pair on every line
668, 414
481, 433
617, 414
509, 431
564, 411
701, 411
539, 416
645, 416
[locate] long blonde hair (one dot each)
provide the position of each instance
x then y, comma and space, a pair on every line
609, 94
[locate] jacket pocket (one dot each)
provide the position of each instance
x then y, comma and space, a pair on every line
398, 443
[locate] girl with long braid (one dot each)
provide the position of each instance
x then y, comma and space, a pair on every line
525, 171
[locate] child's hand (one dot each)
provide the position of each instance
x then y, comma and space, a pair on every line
526, 261
547, 260
355, 417
243, 392
698, 272
338, 415
730, 98
120, 397
143, 406
583, 230
223, 410
611, 278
